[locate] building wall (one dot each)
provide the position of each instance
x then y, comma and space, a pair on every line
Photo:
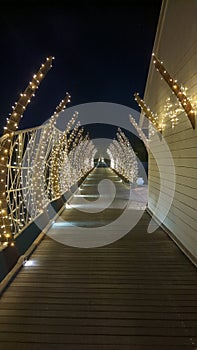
176, 45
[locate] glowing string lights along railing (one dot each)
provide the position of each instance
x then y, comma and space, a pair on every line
31, 158
24, 192
5, 145
176, 89
20, 180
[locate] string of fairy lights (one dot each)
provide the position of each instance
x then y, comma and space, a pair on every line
123, 158
6, 141
79, 161
64, 159
33, 162
139, 130
180, 91
173, 107
39, 164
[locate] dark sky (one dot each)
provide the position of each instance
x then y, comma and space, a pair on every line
102, 52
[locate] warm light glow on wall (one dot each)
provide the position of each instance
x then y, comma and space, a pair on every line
159, 126
177, 89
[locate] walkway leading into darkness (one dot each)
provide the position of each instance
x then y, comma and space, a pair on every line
137, 293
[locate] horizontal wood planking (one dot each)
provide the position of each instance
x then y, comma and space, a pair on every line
138, 293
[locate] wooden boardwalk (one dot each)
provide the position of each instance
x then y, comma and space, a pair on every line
137, 293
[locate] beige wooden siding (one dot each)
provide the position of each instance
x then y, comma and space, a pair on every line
176, 45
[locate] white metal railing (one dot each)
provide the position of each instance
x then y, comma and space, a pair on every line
31, 174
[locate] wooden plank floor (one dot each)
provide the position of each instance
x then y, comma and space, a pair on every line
137, 293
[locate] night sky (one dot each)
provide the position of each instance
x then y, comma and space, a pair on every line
102, 52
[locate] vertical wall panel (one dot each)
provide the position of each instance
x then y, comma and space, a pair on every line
176, 45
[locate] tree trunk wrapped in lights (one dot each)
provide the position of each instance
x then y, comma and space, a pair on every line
78, 161
123, 158
73, 155
131, 173
66, 175
56, 159
5, 146
39, 182
139, 130
72, 137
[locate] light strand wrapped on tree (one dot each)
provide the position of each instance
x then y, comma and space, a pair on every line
9, 201
39, 164
78, 160
123, 158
